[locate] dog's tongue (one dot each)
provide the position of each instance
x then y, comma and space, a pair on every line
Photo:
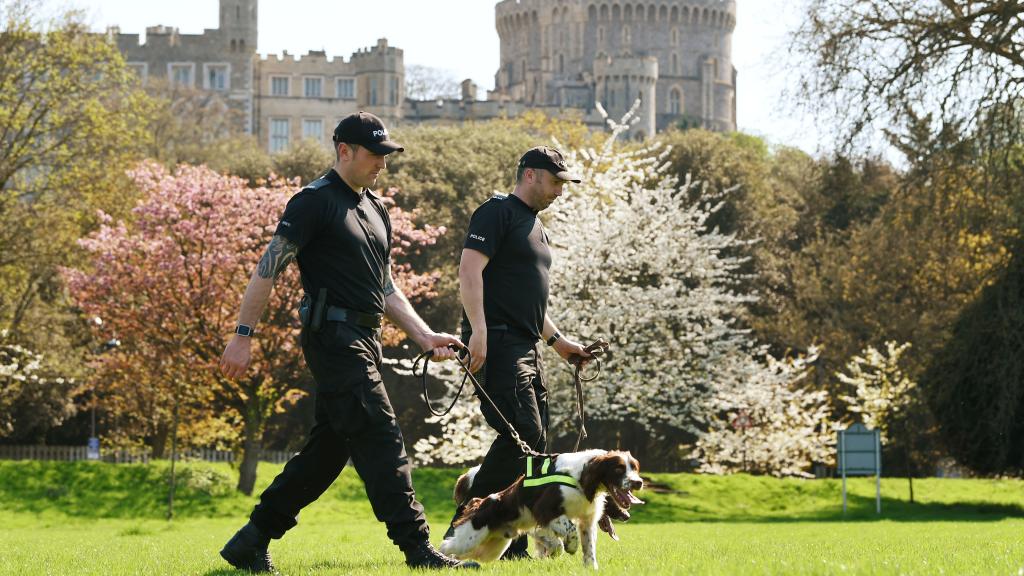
605, 523
625, 498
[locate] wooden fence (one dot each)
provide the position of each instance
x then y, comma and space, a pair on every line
127, 456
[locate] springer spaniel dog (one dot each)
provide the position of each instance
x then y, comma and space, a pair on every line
586, 488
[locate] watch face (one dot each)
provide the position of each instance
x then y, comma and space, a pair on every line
243, 330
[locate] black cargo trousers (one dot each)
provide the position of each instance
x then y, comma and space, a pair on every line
354, 418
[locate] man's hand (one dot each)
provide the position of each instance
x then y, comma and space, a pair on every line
566, 348
438, 343
237, 356
477, 349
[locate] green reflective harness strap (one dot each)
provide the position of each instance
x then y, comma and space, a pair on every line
544, 477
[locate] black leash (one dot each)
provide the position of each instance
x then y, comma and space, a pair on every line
599, 347
426, 356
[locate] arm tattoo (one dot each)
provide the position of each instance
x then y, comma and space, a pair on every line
280, 252
389, 282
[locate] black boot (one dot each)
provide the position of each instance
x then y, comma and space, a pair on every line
247, 550
426, 556
516, 550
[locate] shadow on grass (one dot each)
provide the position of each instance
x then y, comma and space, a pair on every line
100, 490
367, 567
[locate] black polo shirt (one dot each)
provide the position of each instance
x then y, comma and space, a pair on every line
511, 235
344, 241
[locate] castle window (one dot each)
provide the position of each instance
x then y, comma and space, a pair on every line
675, 101
675, 63
279, 129
216, 77
279, 85
313, 86
346, 88
675, 36
313, 129
393, 91
181, 74
373, 91
561, 63
600, 33
627, 36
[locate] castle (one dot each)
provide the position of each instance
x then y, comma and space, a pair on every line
560, 56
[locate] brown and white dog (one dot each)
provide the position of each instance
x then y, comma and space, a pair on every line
549, 512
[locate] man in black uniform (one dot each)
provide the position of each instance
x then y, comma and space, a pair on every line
503, 280
340, 234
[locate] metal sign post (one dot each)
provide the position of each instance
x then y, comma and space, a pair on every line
860, 454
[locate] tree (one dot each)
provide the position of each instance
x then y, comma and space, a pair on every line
71, 119
974, 383
428, 83
306, 161
871, 60
27, 405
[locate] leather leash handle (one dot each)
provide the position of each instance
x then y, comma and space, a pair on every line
597, 348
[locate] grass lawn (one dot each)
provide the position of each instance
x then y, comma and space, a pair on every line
89, 518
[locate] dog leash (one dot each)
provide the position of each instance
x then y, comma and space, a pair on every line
596, 349
426, 356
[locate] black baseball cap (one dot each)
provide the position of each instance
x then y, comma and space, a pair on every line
367, 130
549, 159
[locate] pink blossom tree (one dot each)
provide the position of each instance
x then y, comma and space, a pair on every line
168, 284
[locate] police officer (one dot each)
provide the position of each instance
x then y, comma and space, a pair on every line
503, 280
340, 234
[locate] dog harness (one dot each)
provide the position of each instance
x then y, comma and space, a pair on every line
540, 472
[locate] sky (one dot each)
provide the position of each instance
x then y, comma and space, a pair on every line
458, 36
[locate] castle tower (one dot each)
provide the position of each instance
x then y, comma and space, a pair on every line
620, 82
552, 52
380, 79
238, 25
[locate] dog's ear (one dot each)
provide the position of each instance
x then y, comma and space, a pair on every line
462, 486
598, 471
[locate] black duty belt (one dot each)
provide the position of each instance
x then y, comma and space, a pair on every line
336, 314
502, 328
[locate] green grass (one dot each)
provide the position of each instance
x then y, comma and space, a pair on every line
91, 518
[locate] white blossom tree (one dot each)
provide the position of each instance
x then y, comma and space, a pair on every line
883, 390
24, 379
635, 262
767, 425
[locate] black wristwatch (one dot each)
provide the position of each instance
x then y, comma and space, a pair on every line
554, 338
243, 330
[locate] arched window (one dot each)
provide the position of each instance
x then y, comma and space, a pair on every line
675, 101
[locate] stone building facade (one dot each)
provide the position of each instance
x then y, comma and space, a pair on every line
560, 56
